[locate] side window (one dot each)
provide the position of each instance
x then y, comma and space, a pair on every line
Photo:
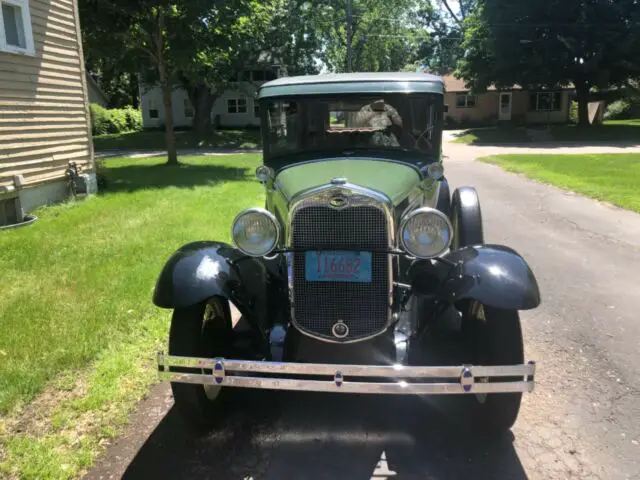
15, 27
237, 105
153, 109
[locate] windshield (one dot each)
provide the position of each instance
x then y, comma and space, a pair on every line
392, 122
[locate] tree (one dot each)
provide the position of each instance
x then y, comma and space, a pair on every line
552, 43
385, 36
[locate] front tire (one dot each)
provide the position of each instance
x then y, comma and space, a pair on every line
203, 330
493, 337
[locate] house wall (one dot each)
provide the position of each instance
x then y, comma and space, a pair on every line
153, 97
44, 117
485, 109
560, 116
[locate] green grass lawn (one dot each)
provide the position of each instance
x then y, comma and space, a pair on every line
614, 178
79, 330
611, 131
185, 139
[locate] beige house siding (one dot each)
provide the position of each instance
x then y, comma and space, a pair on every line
486, 109
44, 117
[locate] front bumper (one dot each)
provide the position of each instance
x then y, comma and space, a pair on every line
392, 379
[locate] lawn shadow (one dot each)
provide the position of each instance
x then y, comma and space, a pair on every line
623, 136
275, 435
131, 178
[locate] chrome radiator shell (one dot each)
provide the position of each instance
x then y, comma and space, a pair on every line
319, 219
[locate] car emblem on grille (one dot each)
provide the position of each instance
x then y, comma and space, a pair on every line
340, 329
339, 201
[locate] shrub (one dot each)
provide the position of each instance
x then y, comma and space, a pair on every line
573, 112
115, 120
623, 109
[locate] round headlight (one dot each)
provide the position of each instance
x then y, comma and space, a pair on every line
256, 232
426, 233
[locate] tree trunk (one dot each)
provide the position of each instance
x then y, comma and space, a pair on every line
134, 90
582, 94
202, 99
165, 85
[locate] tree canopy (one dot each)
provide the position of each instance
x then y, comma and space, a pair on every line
552, 43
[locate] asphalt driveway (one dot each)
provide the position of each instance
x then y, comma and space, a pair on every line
583, 420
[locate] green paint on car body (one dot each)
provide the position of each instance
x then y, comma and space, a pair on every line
395, 180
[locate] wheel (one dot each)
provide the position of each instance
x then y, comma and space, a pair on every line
493, 337
203, 330
466, 218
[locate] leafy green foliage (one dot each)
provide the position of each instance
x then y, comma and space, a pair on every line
115, 120
623, 109
385, 35
549, 43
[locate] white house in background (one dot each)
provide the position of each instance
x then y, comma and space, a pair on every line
235, 108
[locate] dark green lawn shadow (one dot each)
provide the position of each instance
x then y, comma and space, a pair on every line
131, 178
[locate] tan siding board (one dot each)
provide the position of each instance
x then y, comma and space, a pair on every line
5, 137
6, 68
25, 128
12, 121
65, 52
12, 102
39, 153
38, 9
55, 42
36, 114
44, 94
52, 17
35, 166
29, 80
22, 63
40, 25
43, 142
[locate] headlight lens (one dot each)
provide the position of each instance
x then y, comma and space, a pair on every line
256, 232
425, 233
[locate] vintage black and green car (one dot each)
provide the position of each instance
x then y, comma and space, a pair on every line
361, 273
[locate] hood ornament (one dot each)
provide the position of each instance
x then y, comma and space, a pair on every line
338, 201
338, 181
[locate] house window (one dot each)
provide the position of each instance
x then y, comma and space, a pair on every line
153, 109
237, 105
15, 27
465, 101
188, 108
545, 101
256, 109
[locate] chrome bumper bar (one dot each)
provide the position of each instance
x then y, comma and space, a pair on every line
399, 379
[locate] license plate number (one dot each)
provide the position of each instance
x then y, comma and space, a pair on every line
337, 266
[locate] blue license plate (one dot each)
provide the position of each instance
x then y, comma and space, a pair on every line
338, 266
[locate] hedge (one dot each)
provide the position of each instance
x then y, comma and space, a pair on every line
114, 120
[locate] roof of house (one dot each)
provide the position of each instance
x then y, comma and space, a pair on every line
453, 84
365, 82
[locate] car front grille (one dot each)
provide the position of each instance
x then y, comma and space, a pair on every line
317, 306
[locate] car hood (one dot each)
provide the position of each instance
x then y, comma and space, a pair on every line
395, 180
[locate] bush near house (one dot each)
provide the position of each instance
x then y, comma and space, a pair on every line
114, 120
623, 109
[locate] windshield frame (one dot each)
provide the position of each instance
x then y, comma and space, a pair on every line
279, 160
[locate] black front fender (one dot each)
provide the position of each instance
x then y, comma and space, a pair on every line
494, 275
200, 270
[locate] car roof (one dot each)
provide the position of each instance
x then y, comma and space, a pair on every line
361, 82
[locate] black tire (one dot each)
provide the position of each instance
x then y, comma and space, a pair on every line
202, 330
466, 218
493, 337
